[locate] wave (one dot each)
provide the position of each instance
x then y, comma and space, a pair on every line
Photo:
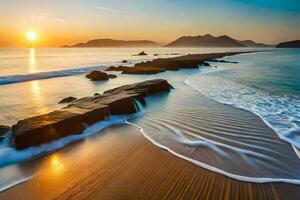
46, 75
223, 139
9, 155
281, 113
215, 169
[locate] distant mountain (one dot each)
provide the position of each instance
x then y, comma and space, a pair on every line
205, 41
290, 44
251, 43
115, 43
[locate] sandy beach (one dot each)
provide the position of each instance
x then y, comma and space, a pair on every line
120, 163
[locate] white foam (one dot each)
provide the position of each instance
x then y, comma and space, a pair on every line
9, 155
46, 75
281, 113
214, 169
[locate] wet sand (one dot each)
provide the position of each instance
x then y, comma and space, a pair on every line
120, 163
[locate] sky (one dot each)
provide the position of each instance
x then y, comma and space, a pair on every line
60, 22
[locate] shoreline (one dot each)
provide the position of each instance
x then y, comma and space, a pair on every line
136, 163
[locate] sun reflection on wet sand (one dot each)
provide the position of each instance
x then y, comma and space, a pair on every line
57, 166
32, 63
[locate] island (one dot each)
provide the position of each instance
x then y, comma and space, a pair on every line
289, 44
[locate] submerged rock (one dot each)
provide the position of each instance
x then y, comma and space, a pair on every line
223, 61
88, 110
67, 100
97, 76
206, 64
111, 76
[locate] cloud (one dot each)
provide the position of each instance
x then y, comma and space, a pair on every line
109, 10
53, 19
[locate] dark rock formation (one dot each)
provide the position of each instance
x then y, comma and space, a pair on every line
223, 61
97, 76
45, 128
111, 76
115, 43
67, 100
164, 64
124, 61
3, 130
143, 53
290, 44
155, 54
205, 41
206, 64
88, 110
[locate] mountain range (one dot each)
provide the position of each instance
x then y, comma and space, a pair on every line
212, 41
185, 41
115, 43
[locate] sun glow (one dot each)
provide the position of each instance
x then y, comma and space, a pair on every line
31, 35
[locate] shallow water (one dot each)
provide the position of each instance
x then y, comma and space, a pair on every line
267, 84
215, 136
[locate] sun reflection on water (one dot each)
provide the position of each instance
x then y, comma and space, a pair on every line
32, 63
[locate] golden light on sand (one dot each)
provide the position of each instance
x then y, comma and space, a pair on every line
31, 35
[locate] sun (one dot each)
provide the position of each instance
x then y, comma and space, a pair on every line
31, 36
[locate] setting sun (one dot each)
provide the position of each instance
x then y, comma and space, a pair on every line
31, 36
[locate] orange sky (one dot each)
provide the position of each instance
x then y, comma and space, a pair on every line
60, 22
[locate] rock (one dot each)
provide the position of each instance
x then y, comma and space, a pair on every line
111, 76
124, 61
146, 87
91, 112
67, 100
143, 53
73, 118
155, 54
223, 61
148, 70
96, 94
46, 128
97, 76
164, 64
206, 64
119, 68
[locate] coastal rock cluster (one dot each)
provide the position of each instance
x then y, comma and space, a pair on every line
170, 64
73, 118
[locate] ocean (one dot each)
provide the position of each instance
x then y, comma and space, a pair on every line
241, 113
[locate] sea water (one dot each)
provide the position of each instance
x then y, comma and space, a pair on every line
184, 122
